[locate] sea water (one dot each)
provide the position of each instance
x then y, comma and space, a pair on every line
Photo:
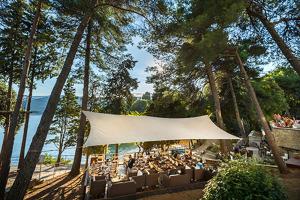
51, 148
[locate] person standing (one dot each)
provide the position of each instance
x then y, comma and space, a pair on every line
130, 163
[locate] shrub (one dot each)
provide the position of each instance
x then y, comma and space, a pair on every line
243, 180
49, 159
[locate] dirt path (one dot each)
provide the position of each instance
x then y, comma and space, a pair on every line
61, 187
41, 172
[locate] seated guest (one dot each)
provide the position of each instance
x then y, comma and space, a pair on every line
150, 159
199, 165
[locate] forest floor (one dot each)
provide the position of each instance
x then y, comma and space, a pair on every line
58, 188
41, 172
65, 187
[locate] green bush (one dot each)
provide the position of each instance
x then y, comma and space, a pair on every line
243, 180
49, 159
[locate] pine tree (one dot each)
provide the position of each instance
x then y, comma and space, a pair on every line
65, 122
12, 40
289, 15
7, 148
117, 90
44, 63
22, 180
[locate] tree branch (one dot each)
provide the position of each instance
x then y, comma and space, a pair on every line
132, 11
286, 20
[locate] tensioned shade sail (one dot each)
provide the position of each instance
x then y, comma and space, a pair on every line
116, 129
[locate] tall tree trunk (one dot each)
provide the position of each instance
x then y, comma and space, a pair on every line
214, 92
256, 11
271, 141
7, 151
26, 123
18, 190
84, 104
236, 109
8, 100
59, 156
116, 150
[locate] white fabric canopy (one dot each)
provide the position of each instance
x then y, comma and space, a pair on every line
116, 129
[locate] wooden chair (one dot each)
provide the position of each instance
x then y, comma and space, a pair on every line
121, 189
198, 174
179, 180
152, 180
190, 173
98, 189
140, 182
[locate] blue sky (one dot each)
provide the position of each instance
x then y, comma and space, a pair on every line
143, 58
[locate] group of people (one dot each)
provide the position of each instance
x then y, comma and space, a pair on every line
177, 163
146, 164
284, 121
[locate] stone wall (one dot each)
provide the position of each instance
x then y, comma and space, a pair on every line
287, 138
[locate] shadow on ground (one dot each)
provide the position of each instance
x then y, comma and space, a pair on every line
63, 187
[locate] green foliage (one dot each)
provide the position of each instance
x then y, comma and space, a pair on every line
66, 120
271, 97
3, 105
146, 96
51, 160
172, 103
118, 87
139, 105
289, 81
95, 91
243, 180
94, 150
3, 101
167, 104
13, 37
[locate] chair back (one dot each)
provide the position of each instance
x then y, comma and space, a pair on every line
140, 181
190, 173
198, 174
152, 180
121, 189
179, 180
98, 189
